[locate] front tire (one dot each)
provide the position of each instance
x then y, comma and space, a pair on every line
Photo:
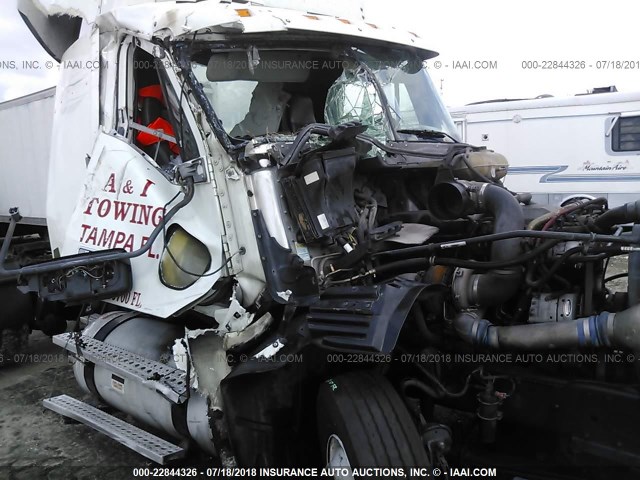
362, 422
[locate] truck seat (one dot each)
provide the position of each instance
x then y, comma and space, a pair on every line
153, 114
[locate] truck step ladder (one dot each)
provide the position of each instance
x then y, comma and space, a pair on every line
145, 443
166, 380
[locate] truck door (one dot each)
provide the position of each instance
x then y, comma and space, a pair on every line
131, 181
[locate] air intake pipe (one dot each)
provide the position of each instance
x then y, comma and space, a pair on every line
451, 200
627, 213
620, 330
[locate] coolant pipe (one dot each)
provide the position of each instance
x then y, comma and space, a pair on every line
620, 330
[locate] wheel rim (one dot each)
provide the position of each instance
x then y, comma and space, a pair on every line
337, 458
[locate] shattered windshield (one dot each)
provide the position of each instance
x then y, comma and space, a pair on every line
261, 92
387, 97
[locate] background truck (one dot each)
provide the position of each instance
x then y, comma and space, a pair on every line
25, 130
562, 149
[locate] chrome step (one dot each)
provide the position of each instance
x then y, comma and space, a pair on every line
145, 443
166, 380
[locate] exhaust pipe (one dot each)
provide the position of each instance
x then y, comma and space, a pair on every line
620, 330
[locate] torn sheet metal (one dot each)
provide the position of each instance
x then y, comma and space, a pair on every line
233, 319
168, 20
182, 357
414, 234
191, 334
285, 295
86, 9
271, 350
208, 360
257, 328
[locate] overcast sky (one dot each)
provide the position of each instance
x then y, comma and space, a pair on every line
504, 32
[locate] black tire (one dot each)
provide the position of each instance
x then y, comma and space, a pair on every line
364, 411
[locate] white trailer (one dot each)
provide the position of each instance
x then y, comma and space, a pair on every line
25, 133
560, 149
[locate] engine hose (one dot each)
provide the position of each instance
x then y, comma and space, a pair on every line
605, 329
411, 265
409, 252
450, 200
421, 325
456, 262
627, 213
571, 208
554, 268
423, 387
494, 287
508, 217
417, 264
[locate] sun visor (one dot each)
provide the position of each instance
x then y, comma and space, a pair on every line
259, 66
55, 33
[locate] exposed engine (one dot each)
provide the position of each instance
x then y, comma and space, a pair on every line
486, 307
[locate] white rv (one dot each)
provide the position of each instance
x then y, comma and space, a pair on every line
560, 149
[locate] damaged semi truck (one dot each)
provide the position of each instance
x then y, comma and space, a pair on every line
285, 256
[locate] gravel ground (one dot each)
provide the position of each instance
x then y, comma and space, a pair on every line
617, 265
38, 443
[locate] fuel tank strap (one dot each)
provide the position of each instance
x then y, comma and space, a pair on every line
117, 319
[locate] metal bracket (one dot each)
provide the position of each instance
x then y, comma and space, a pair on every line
156, 133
